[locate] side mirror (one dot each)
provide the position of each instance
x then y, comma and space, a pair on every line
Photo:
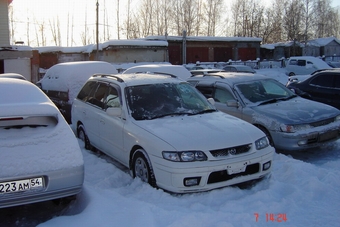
211, 100
232, 103
114, 111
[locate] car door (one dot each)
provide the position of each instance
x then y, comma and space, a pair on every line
111, 127
321, 88
226, 101
336, 89
91, 114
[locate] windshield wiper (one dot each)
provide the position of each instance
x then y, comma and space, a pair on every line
204, 111
167, 114
269, 101
277, 99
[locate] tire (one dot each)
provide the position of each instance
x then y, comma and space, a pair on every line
271, 142
291, 74
82, 136
142, 169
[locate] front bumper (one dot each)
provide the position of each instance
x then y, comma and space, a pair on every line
305, 140
209, 175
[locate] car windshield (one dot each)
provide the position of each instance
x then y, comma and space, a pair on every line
152, 101
262, 92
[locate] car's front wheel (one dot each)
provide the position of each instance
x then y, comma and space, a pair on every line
142, 169
82, 136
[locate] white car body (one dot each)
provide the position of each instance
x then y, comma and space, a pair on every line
304, 65
37, 146
118, 134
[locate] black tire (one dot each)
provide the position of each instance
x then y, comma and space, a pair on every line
82, 136
291, 74
142, 169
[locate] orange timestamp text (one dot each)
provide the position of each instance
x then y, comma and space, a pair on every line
270, 217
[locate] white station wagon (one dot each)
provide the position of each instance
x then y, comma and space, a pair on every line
168, 134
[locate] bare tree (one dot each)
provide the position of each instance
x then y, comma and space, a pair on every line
55, 30
292, 20
212, 11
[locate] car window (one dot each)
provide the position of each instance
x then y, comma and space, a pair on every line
112, 99
222, 95
87, 91
263, 90
230, 69
337, 81
301, 62
155, 100
324, 80
98, 99
293, 62
207, 91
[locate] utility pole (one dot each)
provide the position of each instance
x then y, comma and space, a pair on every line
184, 47
97, 22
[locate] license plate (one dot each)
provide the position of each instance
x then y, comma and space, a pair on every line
21, 185
328, 136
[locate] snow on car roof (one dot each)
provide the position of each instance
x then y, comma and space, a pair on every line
177, 70
133, 79
232, 77
21, 91
70, 76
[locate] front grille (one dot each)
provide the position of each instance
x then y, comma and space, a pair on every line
223, 175
231, 151
322, 123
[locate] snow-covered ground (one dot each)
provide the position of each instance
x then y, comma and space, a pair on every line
303, 190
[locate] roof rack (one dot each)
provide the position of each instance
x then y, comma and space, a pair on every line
204, 74
162, 73
109, 75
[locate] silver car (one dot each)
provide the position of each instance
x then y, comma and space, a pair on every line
291, 122
40, 158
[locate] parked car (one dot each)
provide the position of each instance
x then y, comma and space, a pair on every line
291, 123
177, 70
334, 64
322, 86
205, 71
304, 65
40, 156
168, 134
63, 81
12, 75
239, 68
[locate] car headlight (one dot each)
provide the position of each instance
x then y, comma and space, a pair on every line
337, 118
294, 128
261, 143
184, 156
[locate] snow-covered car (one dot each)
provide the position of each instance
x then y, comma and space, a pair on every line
239, 68
291, 123
12, 75
205, 71
304, 65
63, 81
168, 134
177, 70
40, 157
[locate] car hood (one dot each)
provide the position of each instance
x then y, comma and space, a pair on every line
204, 131
294, 111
